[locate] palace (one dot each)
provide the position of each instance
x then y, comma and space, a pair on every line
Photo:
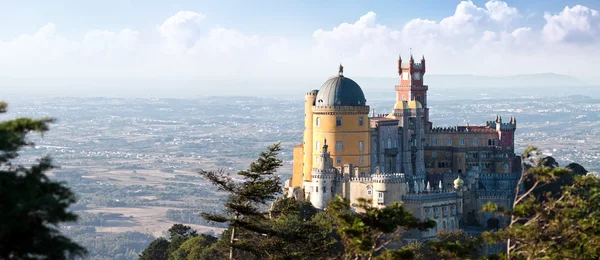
445, 174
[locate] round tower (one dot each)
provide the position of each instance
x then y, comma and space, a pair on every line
340, 115
307, 158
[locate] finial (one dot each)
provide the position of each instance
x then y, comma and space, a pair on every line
341, 70
423, 58
399, 57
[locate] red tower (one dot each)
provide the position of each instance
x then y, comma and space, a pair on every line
411, 83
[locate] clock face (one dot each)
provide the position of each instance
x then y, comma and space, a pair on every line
416, 75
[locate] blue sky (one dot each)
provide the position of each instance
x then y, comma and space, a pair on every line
117, 38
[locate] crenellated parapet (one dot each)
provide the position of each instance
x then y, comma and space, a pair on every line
340, 110
324, 174
388, 178
421, 198
452, 129
313, 92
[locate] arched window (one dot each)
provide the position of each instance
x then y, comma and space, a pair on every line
395, 143
505, 166
475, 141
433, 154
452, 224
369, 190
462, 141
489, 141
444, 225
389, 143
318, 146
318, 121
449, 141
361, 146
434, 141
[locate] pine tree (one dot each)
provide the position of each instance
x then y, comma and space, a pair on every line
32, 205
246, 208
566, 226
368, 231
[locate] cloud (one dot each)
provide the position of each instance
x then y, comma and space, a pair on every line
491, 39
576, 24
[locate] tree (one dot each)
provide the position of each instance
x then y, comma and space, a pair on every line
32, 205
449, 245
157, 250
563, 227
194, 248
179, 234
368, 233
577, 169
246, 205
300, 232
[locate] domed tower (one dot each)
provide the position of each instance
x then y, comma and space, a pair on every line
340, 115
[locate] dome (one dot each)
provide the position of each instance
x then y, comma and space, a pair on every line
340, 91
458, 182
414, 104
401, 104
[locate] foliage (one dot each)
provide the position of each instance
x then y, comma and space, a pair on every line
246, 205
32, 205
157, 250
449, 245
556, 227
194, 248
367, 233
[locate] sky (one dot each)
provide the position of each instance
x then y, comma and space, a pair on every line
194, 39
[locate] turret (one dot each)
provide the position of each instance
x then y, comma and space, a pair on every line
411, 61
423, 64
399, 65
309, 101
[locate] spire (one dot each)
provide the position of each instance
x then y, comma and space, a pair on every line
423, 58
325, 146
341, 70
411, 58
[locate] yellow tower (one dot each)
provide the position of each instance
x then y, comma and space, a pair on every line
340, 115
308, 146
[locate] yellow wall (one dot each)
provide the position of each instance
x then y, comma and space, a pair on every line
350, 133
298, 159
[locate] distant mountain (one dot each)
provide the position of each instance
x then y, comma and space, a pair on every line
453, 81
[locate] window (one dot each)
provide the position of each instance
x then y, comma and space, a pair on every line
361, 146
444, 225
389, 143
462, 141
506, 166
449, 141
403, 97
448, 154
332, 189
433, 155
338, 146
361, 121
369, 190
374, 147
338, 121
317, 146
475, 141
318, 121
317, 191
419, 98
362, 160
338, 160
434, 141
380, 198
404, 75
395, 143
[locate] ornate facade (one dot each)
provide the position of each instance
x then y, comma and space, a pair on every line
444, 174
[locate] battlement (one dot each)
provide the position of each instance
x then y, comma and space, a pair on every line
500, 176
426, 87
341, 109
313, 92
420, 198
380, 178
325, 174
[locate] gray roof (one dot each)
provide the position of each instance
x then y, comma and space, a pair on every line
340, 91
